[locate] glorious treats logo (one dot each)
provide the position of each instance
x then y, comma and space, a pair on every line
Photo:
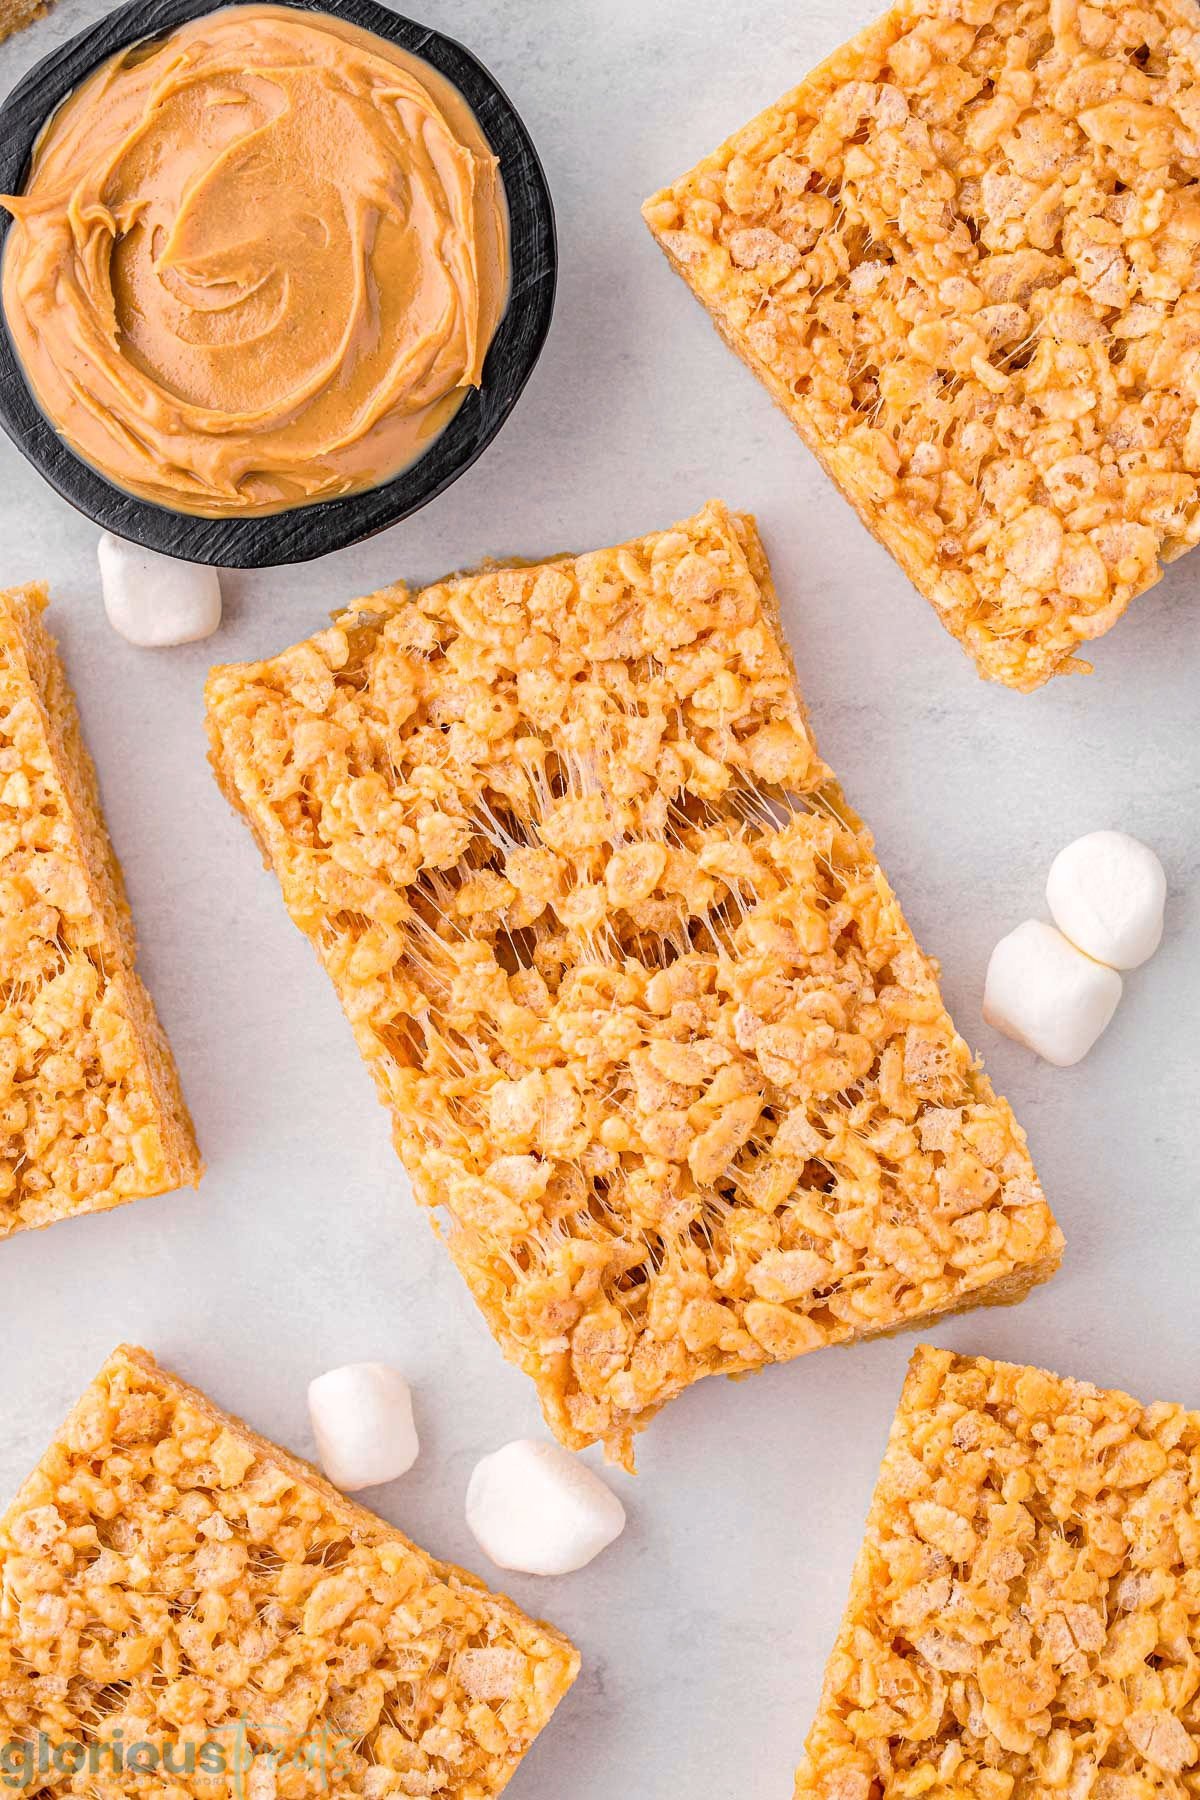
253, 1755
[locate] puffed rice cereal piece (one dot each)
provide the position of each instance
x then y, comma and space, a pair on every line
964, 257
167, 1572
1022, 1616
91, 1113
659, 1046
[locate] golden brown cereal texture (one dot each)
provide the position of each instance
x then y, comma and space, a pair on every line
15, 14
170, 1578
964, 257
657, 1041
1023, 1616
90, 1109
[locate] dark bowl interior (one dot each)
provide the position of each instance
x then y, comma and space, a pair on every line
305, 531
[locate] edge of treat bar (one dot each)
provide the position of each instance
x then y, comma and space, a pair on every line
915, 571
29, 648
683, 217
927, 1365
361, 1524
358, 1517
1005, 1290
15, 15
839, 64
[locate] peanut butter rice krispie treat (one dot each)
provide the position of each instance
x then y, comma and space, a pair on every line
90, 1109
170, 1580
964, 257
658, 1043
1023, 1619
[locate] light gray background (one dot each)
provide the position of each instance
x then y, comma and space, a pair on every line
704, 1631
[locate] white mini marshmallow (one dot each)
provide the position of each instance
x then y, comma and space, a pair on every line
155, 600
362, 1416
1047, 994
1107, 892
533, 1506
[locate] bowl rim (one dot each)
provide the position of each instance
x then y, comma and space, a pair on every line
300, 533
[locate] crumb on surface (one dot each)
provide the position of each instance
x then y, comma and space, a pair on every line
963, 257
656, 1039
91, 1113
167, 1575
1022, 1617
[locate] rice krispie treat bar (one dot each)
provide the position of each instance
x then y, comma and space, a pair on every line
962, 256
169, 1579
658, 1043
1023, 1616
91, 1114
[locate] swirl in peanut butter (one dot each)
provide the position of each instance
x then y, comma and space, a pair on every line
258, 262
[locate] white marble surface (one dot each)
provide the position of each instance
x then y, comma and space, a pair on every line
705, 1629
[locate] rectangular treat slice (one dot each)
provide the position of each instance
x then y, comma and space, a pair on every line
91, 1113
657, 1040
1023, 1616
171, 1579
962, 256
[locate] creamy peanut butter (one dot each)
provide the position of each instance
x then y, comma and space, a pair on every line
258, 262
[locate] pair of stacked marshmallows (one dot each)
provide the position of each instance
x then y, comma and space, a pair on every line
1056, 987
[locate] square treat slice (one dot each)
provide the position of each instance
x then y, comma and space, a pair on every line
169, 1578
90, 1109
1023, 1616
657, 1040
963, 257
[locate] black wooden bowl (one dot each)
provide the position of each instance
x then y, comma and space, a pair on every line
303, 531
